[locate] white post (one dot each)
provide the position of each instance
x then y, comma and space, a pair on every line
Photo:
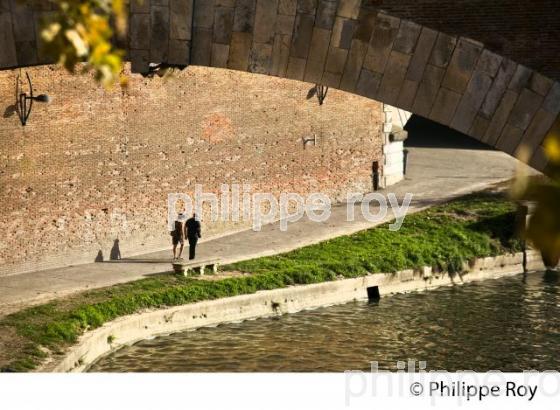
393, 155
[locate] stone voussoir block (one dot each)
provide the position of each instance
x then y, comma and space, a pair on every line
287, 7
525, 108
443, 50
471, 101
349, 8
520, 79
223, 25
393, 78
462, 65
285, 24
202, 46
381, 43
421, 55
265, 21
220, 55
181, 12
552, 101
540, 84
500, 117
296, 68
139, 31
239, 51
317, 55
326, 14
8, 56
445, 106
428, 90
368, 83
498, 88
204, 14
343, 33
260, 59
179, 51
407, 36
244, 16
159, 39
280, 55
303, 33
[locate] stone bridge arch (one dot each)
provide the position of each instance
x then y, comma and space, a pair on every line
353, 46
347, 44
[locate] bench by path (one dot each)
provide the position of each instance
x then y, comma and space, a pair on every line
182, 267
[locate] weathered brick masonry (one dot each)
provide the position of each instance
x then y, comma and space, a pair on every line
97, 165
477, 66
418, 56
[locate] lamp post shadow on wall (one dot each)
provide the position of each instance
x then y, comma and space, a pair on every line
319, 91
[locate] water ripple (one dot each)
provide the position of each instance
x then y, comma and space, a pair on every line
509, 324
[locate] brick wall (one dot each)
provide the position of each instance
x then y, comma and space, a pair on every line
97, 165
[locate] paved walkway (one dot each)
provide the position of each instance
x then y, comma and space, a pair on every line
441, 166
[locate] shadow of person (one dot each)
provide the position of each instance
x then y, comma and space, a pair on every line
115, 251
99, 257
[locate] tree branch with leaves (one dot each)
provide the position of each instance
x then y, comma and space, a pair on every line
84, 32
543, 229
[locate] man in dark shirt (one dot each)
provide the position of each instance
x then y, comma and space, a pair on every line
193, 234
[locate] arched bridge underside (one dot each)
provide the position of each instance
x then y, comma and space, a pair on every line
346, 44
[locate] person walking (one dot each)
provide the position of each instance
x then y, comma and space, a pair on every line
193, 229
178, 236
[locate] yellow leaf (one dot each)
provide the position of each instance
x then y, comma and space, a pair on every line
50, 32
77, 42
552, 148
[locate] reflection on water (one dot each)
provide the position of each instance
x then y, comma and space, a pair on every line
508, 324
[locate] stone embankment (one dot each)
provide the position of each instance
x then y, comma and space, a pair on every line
130, 329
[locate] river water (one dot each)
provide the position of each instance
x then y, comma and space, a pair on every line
508, 324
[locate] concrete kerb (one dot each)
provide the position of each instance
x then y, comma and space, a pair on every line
130, 329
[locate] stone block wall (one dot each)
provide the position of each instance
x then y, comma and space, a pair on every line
395, 120
97, 165
160, 31
408, 54
523, 31
350, 45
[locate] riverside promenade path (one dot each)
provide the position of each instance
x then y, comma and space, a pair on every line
442, 165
